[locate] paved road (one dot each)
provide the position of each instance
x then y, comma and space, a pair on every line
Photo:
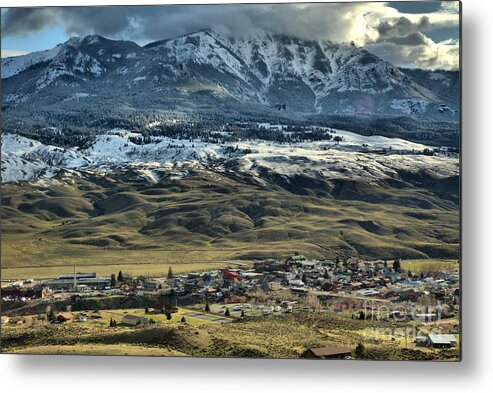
349, 296
207, 317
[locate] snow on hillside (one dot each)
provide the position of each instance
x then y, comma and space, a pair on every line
376, 142
13, 65
410, 106
26, 159
310, 160
322, 66
267, 69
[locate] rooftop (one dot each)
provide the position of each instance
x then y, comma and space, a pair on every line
329, 351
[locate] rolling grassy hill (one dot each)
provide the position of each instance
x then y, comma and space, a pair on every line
213, 216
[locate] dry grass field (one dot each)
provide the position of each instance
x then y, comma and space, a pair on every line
430, 265
143, 269
213, 217
282, 336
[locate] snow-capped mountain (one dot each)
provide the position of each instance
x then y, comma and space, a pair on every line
273, 71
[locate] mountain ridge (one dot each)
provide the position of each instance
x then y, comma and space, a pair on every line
275, 71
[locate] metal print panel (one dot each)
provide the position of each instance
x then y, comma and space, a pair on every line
267, 181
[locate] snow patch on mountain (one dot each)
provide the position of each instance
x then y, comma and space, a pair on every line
438, 76
290, 74
25, 159
14, 65
410, 106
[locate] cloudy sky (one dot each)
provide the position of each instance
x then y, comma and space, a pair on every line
410, 34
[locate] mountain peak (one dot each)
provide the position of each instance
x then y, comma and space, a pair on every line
271, 70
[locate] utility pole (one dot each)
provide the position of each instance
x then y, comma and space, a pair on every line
75, 280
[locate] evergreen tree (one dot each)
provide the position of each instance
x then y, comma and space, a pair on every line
147, 310
183, 319
168, 315
397, 265
207, 307
360, 351
120, 276
51, 313
113, 281
242, 314
227, 313
170, 273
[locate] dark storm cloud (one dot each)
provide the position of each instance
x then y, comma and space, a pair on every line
403, 25
412, 39
336, 21
444, 55
24, 21
75, 20
394, 35
153, 23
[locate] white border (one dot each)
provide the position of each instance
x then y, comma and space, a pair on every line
112, 374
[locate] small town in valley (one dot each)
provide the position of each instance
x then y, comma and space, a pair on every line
416, 313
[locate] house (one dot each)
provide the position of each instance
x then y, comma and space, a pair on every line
274, 285
426, 317
309, 265
328, 286
17, 292
441, 340
230, 275
65, 317
151, 285
299, 290
134, 320
295, 260
82, 288
327, 353
368, 292
252, 276
354, 286
327, 263
296, 283
69, 282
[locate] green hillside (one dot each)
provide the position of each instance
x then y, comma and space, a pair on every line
211, 216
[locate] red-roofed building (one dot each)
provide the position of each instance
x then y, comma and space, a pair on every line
230, 275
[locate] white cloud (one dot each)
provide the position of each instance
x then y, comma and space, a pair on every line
450, 6
429, 55
369, 24
401, 38
12, 53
